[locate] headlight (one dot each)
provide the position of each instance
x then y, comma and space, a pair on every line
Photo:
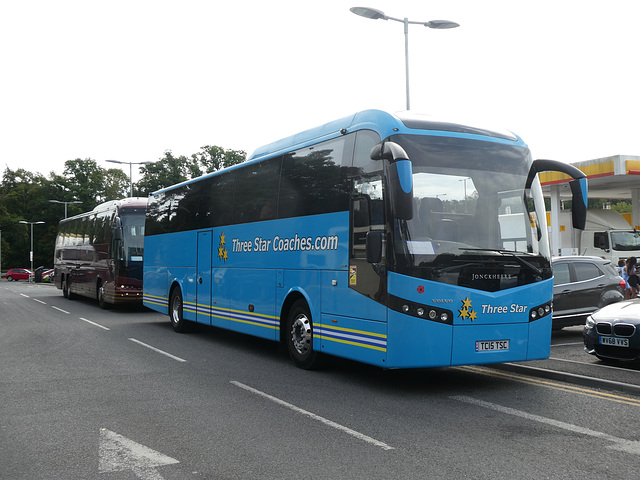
590, 323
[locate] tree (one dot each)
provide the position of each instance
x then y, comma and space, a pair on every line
86, 180
116, 184
167, 171
211, 159
171, 170
622, 206
24, 197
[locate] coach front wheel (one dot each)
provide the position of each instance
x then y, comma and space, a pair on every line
66, 289
100, 293
178, 323
299, 335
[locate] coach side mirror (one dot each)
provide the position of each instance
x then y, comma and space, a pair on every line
374, 246
400, 177
579, 203
578, 187
117, 230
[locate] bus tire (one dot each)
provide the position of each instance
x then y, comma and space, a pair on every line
100, 295
178, 322
66, 289
299, 336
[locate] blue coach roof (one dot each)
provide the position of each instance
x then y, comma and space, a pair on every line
385, 124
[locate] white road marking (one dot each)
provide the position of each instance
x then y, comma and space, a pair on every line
117, 453
60, 310
158, 350
39, 301
94, 323
335, 425
628, 446
25, 296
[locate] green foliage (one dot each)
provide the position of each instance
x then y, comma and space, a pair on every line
93, 184
170, 170
211, 159
25, 196
167, 171
623, 206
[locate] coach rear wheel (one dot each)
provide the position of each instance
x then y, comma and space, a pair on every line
178, 323
299, 332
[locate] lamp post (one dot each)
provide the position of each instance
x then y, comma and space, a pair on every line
130, 171
31, 252
374, 14
65, 205
465, 191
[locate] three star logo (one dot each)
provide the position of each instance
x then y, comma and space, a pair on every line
467, 311
223, 254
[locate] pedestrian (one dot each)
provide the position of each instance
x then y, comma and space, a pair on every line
632, 278
623, 274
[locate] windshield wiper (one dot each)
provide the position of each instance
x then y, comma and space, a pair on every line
437, 272
513, 255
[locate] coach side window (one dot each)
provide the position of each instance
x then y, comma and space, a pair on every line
158, 214
216, 200
365, 141
316, 179
367, 209
184, 205
256, 191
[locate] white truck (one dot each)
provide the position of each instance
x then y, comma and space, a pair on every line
607, 234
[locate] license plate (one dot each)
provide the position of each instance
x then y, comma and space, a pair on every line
492, 345
614, 341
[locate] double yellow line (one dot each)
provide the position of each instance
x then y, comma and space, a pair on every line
587, 392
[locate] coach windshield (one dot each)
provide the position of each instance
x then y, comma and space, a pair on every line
473, 218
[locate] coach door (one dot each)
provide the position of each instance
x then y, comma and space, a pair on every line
203, 282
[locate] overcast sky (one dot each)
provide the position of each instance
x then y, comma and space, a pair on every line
128, 80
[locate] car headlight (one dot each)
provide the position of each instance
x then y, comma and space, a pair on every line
590, 323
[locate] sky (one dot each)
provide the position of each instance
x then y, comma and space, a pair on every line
129, 80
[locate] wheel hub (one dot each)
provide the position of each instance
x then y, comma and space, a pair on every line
301, 334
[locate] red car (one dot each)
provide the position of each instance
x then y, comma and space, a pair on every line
18, 274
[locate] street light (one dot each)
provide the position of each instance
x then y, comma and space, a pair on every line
65, 205
374, 14
31, 252
130, 171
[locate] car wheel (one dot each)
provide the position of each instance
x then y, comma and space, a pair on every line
10, 278
299, 336
178, 322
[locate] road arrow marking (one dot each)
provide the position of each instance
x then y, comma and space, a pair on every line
118, 453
